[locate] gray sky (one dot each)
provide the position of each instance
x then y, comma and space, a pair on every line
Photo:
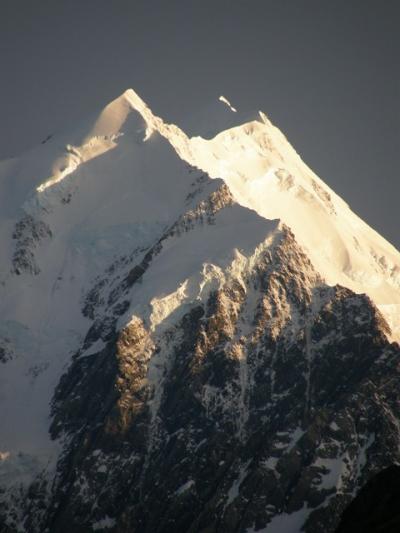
326, 72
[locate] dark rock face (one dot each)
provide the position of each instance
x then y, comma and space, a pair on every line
28, 234
6, 351
276, 395
376, 507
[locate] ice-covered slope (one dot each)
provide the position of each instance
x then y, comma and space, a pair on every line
265, 173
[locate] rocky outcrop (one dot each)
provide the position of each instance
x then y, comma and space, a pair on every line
6, 351
28, 234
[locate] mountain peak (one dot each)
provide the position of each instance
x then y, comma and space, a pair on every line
265, 174
147, 271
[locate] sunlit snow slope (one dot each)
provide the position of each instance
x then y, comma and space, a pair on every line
265, 173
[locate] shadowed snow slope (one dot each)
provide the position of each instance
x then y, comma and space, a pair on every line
70, 209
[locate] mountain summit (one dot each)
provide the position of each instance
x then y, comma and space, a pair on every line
196, 332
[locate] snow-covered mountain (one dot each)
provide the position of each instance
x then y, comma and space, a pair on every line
196, 332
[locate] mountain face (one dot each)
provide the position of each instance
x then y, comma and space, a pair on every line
196, 333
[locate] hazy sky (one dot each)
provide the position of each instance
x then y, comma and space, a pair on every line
325, 71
